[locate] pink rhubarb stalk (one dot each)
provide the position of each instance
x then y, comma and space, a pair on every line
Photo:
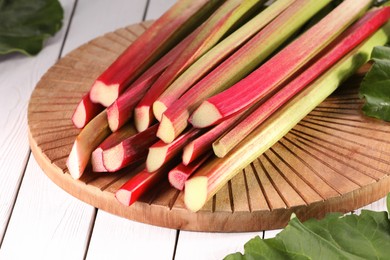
112, 140
360, 31
238, 65
203, 144
161, 36
141, 183
85, 111
180, 174
130, 150
122, 109
280, 67
223, 20
160, 152
92, 135
217, 54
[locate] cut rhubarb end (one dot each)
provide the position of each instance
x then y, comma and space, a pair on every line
142, 118
104, 94
79, 117
219, 150
187, 153
205, 115
177, 179
195, 193
156, 158
113, 117
110, 163
97, 160
166, 131
158, 109
74, 164
124, 197
85, 111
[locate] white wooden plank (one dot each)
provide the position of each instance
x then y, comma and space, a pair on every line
18, 77
379, 205
156, 7
94, 18
202, 245
46, 223
114, 237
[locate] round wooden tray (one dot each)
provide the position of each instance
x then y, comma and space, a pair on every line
335, 159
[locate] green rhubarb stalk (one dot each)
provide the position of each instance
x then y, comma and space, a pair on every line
210, 178
351, 38
280, 67
92, 135
224, 19
238, 65
177, 22
216, 55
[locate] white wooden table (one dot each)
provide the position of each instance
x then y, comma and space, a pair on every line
38, 220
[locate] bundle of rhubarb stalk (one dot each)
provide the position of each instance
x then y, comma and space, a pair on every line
212, 84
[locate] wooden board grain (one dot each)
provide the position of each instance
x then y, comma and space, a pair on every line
335, 159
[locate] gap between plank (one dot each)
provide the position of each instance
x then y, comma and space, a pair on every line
16, 197
176, 242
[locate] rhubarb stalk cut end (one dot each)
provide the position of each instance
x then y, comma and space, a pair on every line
195, 193
166, 131
104, 94
205, 115
187, 153
176, 179
75, 167
97, 160
110, 156
219, 149
142, 118
156, 158
79, 117
123, 196
158, 109
113, 117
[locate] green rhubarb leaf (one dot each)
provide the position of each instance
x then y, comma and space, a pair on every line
375, 87
25, 24
364, 236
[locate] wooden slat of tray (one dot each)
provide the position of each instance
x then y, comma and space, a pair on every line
335, 159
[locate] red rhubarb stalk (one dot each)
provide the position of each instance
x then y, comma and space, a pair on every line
160, 152
141, 183
217, 54
92, 135
238, 65
223, 20
130, 150
180, 174
360, 31
203, 144
218, 171
85, 111
122, 109
280, 67
113, 139
160, 37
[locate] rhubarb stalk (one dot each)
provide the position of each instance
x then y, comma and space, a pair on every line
130, 150
160, 152
180, 174
216, 55
280, 67
92, 135
85, 111
360, 31
217, 172
224, 19
112, 140
238, 65
141, 183
122, 109
160, 37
